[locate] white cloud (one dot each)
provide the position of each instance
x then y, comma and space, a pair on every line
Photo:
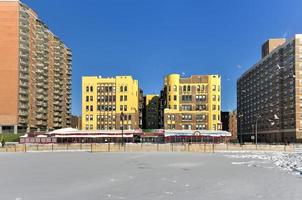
239, 66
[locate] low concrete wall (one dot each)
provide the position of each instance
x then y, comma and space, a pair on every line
146, 147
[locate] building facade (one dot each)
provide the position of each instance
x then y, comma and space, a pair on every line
269, 96
233, 125
76, 122
141, 108
225, 120
192, 103
110, 103
151, 112
35, 72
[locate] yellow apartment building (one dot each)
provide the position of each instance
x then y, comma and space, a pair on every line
193, 102
109, 103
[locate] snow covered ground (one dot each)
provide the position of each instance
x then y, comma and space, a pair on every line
290, 162
150, 176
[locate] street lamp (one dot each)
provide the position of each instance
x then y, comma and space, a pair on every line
243, 92
240, 116
256, 129
122, 116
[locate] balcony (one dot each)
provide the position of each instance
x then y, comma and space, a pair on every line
22, 91
57, 97
39, 116
23, 98
57, 103
56, 114
23, 120
23, 77
24, 70
40, 97
23, 106
23, 113
23, 84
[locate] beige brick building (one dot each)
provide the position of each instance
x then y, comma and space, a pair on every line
110, 103
192, 103
35, 72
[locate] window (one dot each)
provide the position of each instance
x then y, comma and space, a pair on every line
186, 97
201, 97
91, 126
201, 117
214, 98
121, 108
214, 87
87, 127
121, 89
129, 117
175, 98
91, 89
171, 126
87, 98
87, 88
125, 107
175, 88
186, 126
201, 126
186, 107
91, 108
121, 98
186, 117
91, 98
184, 88
198, 88
214, 117
214, 107
189, 88
169, 98
87, 117
125, 88
91, 117
172, 117
125, 98
201, 107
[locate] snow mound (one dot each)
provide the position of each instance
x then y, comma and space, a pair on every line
291, 162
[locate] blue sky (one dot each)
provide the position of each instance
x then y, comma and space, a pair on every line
151, 38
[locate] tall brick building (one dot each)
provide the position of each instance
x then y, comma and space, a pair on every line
35, 72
